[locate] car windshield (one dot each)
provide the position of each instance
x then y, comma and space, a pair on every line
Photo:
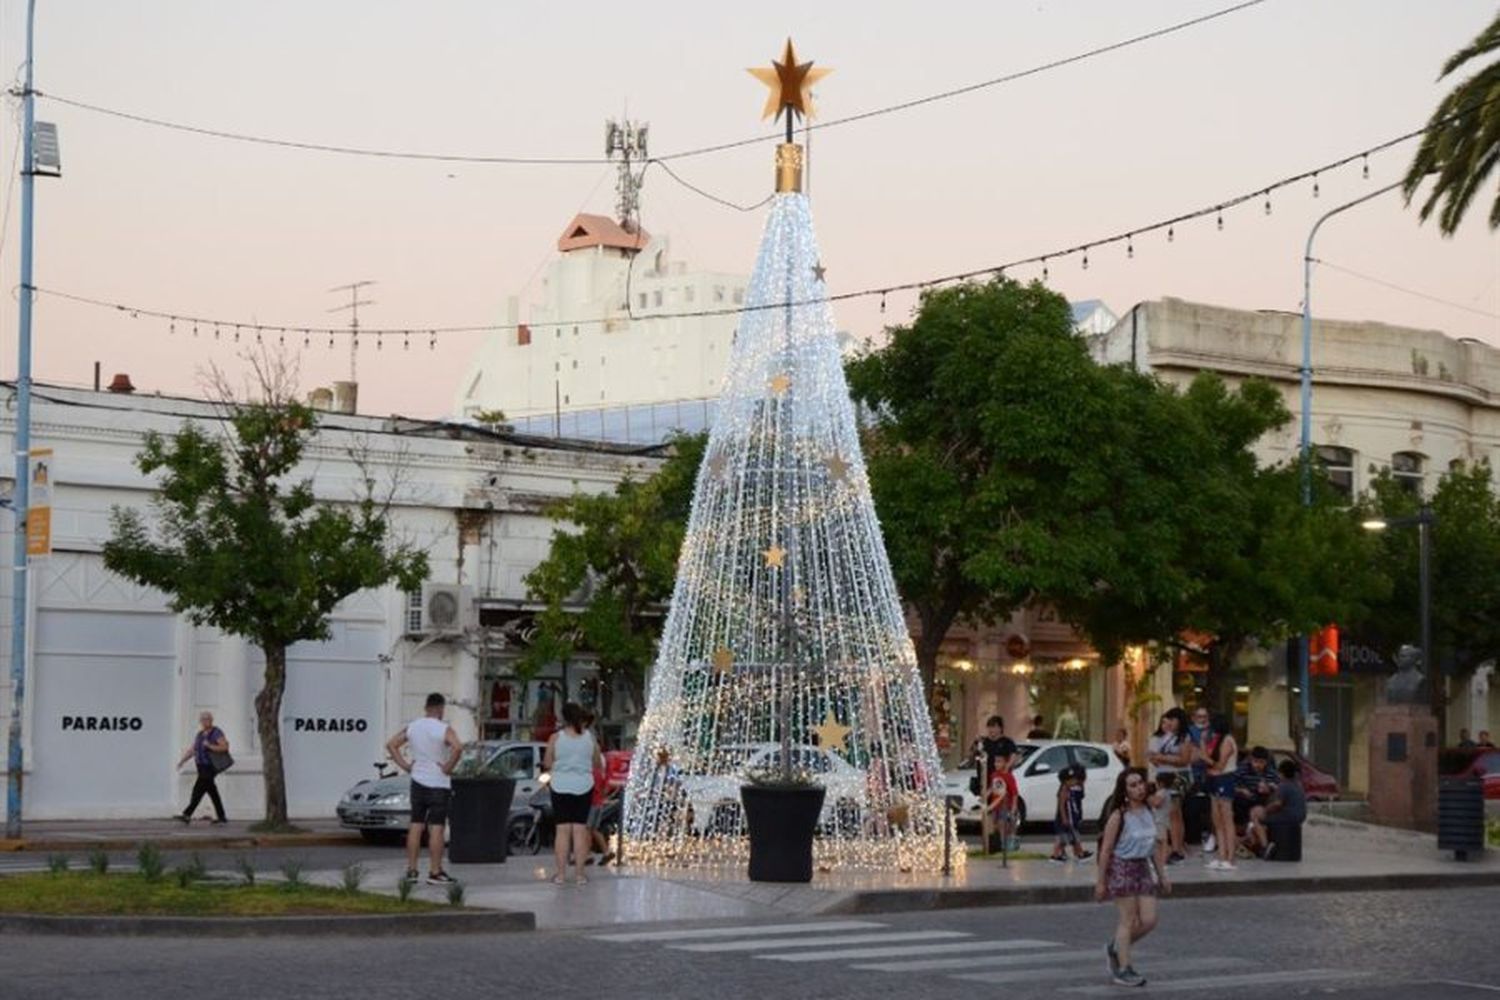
474, 755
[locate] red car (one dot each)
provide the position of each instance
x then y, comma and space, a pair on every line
1473, 762
1316, 782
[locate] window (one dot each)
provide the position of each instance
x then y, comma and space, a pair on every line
641, 299
1091, 758
1338, 466
739, 296
413, 612
656, 297
517, 763
687, 294
1049, 761
1406, 468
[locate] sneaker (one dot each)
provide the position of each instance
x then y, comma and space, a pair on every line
1215, 865
1176, 858
412, 875
184, 820
1210, 843
1113, 958
1058, 859
1128, 977
1084, 856
221, 821
440, 878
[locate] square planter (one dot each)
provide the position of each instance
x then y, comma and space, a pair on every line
782, 822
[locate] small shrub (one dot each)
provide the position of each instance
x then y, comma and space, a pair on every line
196, 866
353, 875
149, 862
291, 870
246, 868
404, 887
456, 894
57, 863
99, 862
183, 874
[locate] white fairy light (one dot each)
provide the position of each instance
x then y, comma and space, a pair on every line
783, 489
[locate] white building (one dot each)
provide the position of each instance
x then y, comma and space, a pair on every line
102, 650
582, 350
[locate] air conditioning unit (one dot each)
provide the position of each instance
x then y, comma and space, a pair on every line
447, 609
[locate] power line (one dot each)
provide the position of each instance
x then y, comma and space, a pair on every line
1404, 290
1081, 250
397, 154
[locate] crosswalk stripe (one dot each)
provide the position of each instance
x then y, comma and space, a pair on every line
750, 930
1298, 976
821, 942
979, 961
913, 949
1053, 973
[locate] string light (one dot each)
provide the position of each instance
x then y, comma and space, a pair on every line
1085, 258
236, 333
306, 339
1365, 167
172, 328
1171, 233
195, 329
405, 342
432, 340
1129, 248
1316, 189
1221, 222
1268, 203
784, 620
1045, 273
216, 331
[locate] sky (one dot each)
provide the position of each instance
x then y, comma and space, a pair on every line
194, 225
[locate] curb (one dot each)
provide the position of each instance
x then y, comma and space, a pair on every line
184, 842
908, 900
366, 925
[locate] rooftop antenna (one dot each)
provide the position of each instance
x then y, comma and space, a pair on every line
625, 142
353, 308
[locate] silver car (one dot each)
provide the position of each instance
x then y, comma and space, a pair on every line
380, 808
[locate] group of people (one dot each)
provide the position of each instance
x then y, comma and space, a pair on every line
1482, 741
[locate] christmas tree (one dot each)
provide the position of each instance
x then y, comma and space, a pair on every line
785, 649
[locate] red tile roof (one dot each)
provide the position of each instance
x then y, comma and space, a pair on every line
599, 231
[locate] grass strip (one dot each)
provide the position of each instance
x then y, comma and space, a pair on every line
85, 893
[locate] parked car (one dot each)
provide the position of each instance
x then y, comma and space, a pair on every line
1317, 784
1473, 762
714, 799
380, 808
1036, 780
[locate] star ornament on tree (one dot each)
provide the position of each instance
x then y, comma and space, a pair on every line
791, 84
831, 734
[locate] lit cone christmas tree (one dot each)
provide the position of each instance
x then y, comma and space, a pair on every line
785, 647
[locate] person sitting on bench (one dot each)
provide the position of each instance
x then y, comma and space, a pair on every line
1281, 819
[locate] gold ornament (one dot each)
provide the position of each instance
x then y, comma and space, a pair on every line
716, 464
838, 469
775, 556
780, 383
831, 734
723, 660
791, 84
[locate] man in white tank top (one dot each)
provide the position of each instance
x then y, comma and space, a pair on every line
435, 749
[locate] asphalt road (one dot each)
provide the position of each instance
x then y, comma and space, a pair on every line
1352, 946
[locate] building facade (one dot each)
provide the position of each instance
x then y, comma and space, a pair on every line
1414, 401
115, 679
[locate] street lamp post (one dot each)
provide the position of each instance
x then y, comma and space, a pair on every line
1423, 520
1304, 677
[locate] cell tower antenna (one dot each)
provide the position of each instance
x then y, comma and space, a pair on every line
625, 142
352, 307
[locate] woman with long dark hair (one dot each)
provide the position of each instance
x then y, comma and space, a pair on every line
572, 758
1130, 872
1222, 755
1170, 755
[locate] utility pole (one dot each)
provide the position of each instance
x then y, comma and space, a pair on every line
21, 497
352, 307
625, 141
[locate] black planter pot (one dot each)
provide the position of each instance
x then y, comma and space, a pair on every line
782, 822
479, 820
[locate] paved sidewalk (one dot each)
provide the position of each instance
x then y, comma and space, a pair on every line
1338, 855
126, 834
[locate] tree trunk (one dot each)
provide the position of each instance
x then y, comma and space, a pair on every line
268, 723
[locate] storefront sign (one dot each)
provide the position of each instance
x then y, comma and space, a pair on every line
39, 504
102, 723
303, 724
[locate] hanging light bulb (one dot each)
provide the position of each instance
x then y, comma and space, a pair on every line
405, 340
1366, 168
330, 340
172, 327
216, 331
882, 303
1221, 220
1130, 247
1268, 201
1316, 189
281, 339
432, 340
1085, 258
258, 341
306, 338
1171, 233
195, 328
236, 333
379, 342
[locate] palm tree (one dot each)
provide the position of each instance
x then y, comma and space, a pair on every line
1462, 144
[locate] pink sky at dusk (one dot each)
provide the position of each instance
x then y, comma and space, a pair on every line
196, 225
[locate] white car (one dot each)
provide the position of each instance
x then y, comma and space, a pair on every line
1036, 770
715, 798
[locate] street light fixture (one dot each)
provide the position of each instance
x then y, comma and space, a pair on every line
1423, 520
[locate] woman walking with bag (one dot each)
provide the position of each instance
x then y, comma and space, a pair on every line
572, 758
209, 751
1130, 872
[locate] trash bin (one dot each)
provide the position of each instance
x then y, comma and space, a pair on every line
1461, 816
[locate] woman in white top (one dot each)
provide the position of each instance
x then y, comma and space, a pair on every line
572, 758
1222, 755
1170, 756
1130, 872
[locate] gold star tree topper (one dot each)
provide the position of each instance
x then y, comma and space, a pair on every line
791, 84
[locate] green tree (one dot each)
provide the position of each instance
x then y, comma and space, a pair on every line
609, 574
241, 544
1462, 146
1465, 568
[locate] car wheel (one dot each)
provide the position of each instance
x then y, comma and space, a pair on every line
379, 836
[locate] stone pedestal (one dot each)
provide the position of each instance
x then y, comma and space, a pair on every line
1403, 765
